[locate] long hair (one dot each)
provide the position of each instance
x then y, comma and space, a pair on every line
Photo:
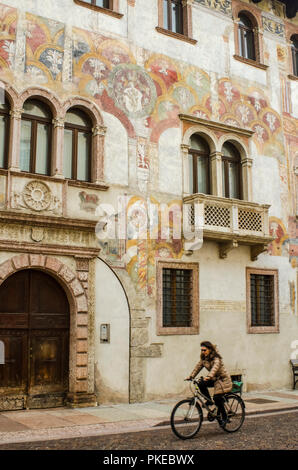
213, 350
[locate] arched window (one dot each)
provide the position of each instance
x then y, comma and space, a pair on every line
294, 46
246, 38
173, 15
36, 135
199, 168
4, 130
231, 171
77, 146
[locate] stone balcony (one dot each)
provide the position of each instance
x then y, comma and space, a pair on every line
230, 222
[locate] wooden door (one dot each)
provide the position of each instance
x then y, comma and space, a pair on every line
34, 326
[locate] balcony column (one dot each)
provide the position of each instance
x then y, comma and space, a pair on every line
216, 174
185, 169
58, 147
98, 138
15, 139
246, 179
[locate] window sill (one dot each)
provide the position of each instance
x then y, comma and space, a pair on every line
167, 331
87, 185
251, 62
54, 179
106, 11
293, 77
262, 329
175, 35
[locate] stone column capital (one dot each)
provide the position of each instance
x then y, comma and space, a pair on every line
99, 130
58, 122
16, 113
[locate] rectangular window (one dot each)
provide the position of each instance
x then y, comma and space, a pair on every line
176, 294
109, 7
262, 300
3, 128
178, 308
173, 16
25, 153
67, 157
42, 149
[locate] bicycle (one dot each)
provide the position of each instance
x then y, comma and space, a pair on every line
187, 414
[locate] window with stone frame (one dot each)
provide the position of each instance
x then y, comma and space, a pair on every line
109, 7
199, 165
231, 172
262, 301
36, 138
173, 16
294, 48
77, 146
247, 47
178, 306
4, 133
175, 19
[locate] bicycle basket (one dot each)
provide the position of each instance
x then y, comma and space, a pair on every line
237, 387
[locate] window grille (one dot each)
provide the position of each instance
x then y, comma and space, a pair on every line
262, 300
177, 297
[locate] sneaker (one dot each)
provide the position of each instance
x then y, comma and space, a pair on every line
222, 422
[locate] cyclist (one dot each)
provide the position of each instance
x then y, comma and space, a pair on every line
217, 377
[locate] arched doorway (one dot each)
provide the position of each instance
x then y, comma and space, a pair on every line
34, 327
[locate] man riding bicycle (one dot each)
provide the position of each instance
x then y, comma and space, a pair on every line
217, 377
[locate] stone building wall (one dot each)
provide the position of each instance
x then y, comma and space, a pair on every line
136, 82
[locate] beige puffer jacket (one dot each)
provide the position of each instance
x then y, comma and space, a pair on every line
217, 372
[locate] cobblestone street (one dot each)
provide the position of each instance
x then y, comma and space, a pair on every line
266, 432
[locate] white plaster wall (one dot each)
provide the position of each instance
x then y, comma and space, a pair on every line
76, 15
170, 163
116, 151
266, 183
111, 359
225, 279
294, 93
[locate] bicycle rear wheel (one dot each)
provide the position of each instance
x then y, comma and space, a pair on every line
235, 409
186, 418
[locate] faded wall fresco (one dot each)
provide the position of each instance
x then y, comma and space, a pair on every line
146, 95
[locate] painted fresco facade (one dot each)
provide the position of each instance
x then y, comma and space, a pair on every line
147, 93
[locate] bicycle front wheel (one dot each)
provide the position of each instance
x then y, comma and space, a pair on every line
235, 410
186, 418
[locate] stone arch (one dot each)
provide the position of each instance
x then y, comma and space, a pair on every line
11, 95
208, 135
250, 12
44, 95
85, 105
112, 306
78, 304
239, 144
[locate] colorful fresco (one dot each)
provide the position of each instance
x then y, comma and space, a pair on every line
146, 92
273, 27
44, 49
223, 6
8, 24
285, 241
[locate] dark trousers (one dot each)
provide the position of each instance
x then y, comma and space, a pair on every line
218, 398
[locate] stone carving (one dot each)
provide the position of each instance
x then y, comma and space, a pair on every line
37, 196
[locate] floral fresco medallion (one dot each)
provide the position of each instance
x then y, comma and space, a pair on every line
132, 90
53, 60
